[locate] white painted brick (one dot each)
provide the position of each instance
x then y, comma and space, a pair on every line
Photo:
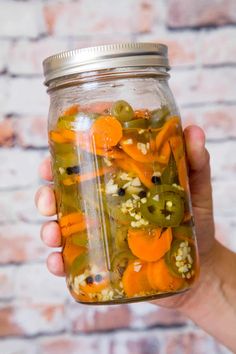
223, 161
21, 19
20, 168
26, 56
18, 346
224, 197
21, 242
18, 206
4, 54
3, 94
225, 228
27, 96
35, 282
7, 282
86, 18
218, 121
203, 85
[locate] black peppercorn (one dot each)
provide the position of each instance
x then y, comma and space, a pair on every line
73, 170
142, 194
156, 180
89, 280
121, 192
98, 278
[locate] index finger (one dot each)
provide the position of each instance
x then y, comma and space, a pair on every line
45, 169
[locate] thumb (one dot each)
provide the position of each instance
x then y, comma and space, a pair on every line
200, 186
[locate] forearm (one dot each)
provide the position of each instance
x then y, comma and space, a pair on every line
213, 306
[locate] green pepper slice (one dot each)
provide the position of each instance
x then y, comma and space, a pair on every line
170, 173
180, 264
80, 239
119, 263
136, 124
80, 121
122, 111
158, 117
79, 264
164, 208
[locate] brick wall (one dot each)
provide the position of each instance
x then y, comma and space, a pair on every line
36, 314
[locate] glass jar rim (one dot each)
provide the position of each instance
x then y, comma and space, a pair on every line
105, 57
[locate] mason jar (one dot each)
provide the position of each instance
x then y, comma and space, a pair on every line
120, 174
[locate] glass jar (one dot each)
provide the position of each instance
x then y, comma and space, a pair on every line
120, 174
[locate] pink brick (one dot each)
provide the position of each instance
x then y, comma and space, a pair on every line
21, 242
24, 318
26, 56
203, 85
23, 346
7, 284
218, 46
20, 168
217, 121
71, 18
149, 315
182, 49
90, 319
6, 133
74, 345
32, 100
190, 13
31, 131
4, 54
21, 19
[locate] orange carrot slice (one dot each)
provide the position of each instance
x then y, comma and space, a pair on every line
176, 143
143, 171
87, 176
74, 222
71, 251
149, 244
105, 132
57, 137
95, 287
135, 281
160, 277
70, 219
169, 129
71, 110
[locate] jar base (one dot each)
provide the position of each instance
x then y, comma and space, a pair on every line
134, 299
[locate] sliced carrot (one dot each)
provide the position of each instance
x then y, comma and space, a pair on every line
70, 219
177, 147
160, 277
87, 176
105, 132
71, 110
135, 281
143, 171
149, 244
72, 229
74, 222
57, 137
95, 287
169, 129
71, 251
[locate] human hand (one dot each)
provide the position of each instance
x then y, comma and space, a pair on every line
216, 261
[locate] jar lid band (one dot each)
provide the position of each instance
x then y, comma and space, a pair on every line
105, 57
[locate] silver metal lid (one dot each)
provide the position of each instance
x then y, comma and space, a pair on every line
105, 57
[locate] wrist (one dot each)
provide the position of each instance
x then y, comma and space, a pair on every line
212, 304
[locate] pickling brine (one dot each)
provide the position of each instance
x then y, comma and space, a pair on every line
123, 200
